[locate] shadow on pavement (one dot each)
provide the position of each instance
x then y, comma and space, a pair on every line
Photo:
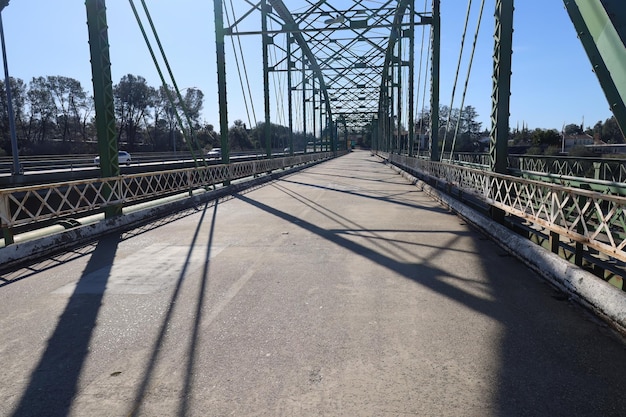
54, 382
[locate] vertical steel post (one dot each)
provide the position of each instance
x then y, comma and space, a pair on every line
400, 95
289, 97
434, 82
392, 105
306, 140
411, 79
266, 80
502, 57
322, 148
103, 97
376, 135
17, 169
220, 50
314, 117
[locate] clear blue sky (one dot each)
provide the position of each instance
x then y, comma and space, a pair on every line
552, 79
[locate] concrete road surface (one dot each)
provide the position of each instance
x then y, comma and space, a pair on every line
341, 290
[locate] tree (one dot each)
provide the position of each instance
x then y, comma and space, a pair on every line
238, 136
469, 130
42, 109
18, 96
573, 129
70, 100
133, 99
611, 132
545, 137
206, 135
192, 104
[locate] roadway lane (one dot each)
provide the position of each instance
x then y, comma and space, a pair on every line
341, 290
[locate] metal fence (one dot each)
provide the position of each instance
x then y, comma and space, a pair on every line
30, 205
595, 220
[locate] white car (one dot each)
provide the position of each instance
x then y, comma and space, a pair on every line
214, 153
123, 157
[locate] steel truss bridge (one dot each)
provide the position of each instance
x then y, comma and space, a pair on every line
349, 68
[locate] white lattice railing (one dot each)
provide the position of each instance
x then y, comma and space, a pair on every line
594, 219
26, 205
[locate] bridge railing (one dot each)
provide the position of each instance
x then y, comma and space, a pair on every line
592, 219
31, 205
601, 169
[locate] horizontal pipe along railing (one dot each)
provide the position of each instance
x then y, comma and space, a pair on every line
595, 220
31, 205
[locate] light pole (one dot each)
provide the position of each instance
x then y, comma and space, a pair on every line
17, 169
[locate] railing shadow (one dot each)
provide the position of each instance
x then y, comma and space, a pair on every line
539, 358
144, 386
28, 269
54, 382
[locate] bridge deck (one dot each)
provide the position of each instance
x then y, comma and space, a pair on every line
339, 290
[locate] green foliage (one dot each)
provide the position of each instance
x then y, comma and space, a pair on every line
133, 99
611, 132
573, 129
238, 136
581, 152
545, 137
552, 151
534, 150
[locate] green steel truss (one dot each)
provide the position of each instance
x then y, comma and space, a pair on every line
601, 27
338, 57
501, 86
103, 94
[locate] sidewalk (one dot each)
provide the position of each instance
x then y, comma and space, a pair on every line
341, 290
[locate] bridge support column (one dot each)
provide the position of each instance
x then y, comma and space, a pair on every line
103, 97
501, 95
434, 86
221, 78
411, 120
266, 80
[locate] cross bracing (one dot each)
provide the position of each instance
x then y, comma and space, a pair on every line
336, 55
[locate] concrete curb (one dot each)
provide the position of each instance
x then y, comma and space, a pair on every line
602, 298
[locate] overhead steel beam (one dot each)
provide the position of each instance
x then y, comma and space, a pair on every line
601, 27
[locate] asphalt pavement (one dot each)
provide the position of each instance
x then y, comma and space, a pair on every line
340, 290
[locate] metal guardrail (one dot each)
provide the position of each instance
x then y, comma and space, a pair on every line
592, 219
35, 163
30, 205
603, 169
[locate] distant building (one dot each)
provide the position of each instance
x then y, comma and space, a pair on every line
578, 139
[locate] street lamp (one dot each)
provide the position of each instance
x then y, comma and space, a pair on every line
17, 169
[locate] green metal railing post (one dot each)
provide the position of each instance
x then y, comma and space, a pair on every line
103, 97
